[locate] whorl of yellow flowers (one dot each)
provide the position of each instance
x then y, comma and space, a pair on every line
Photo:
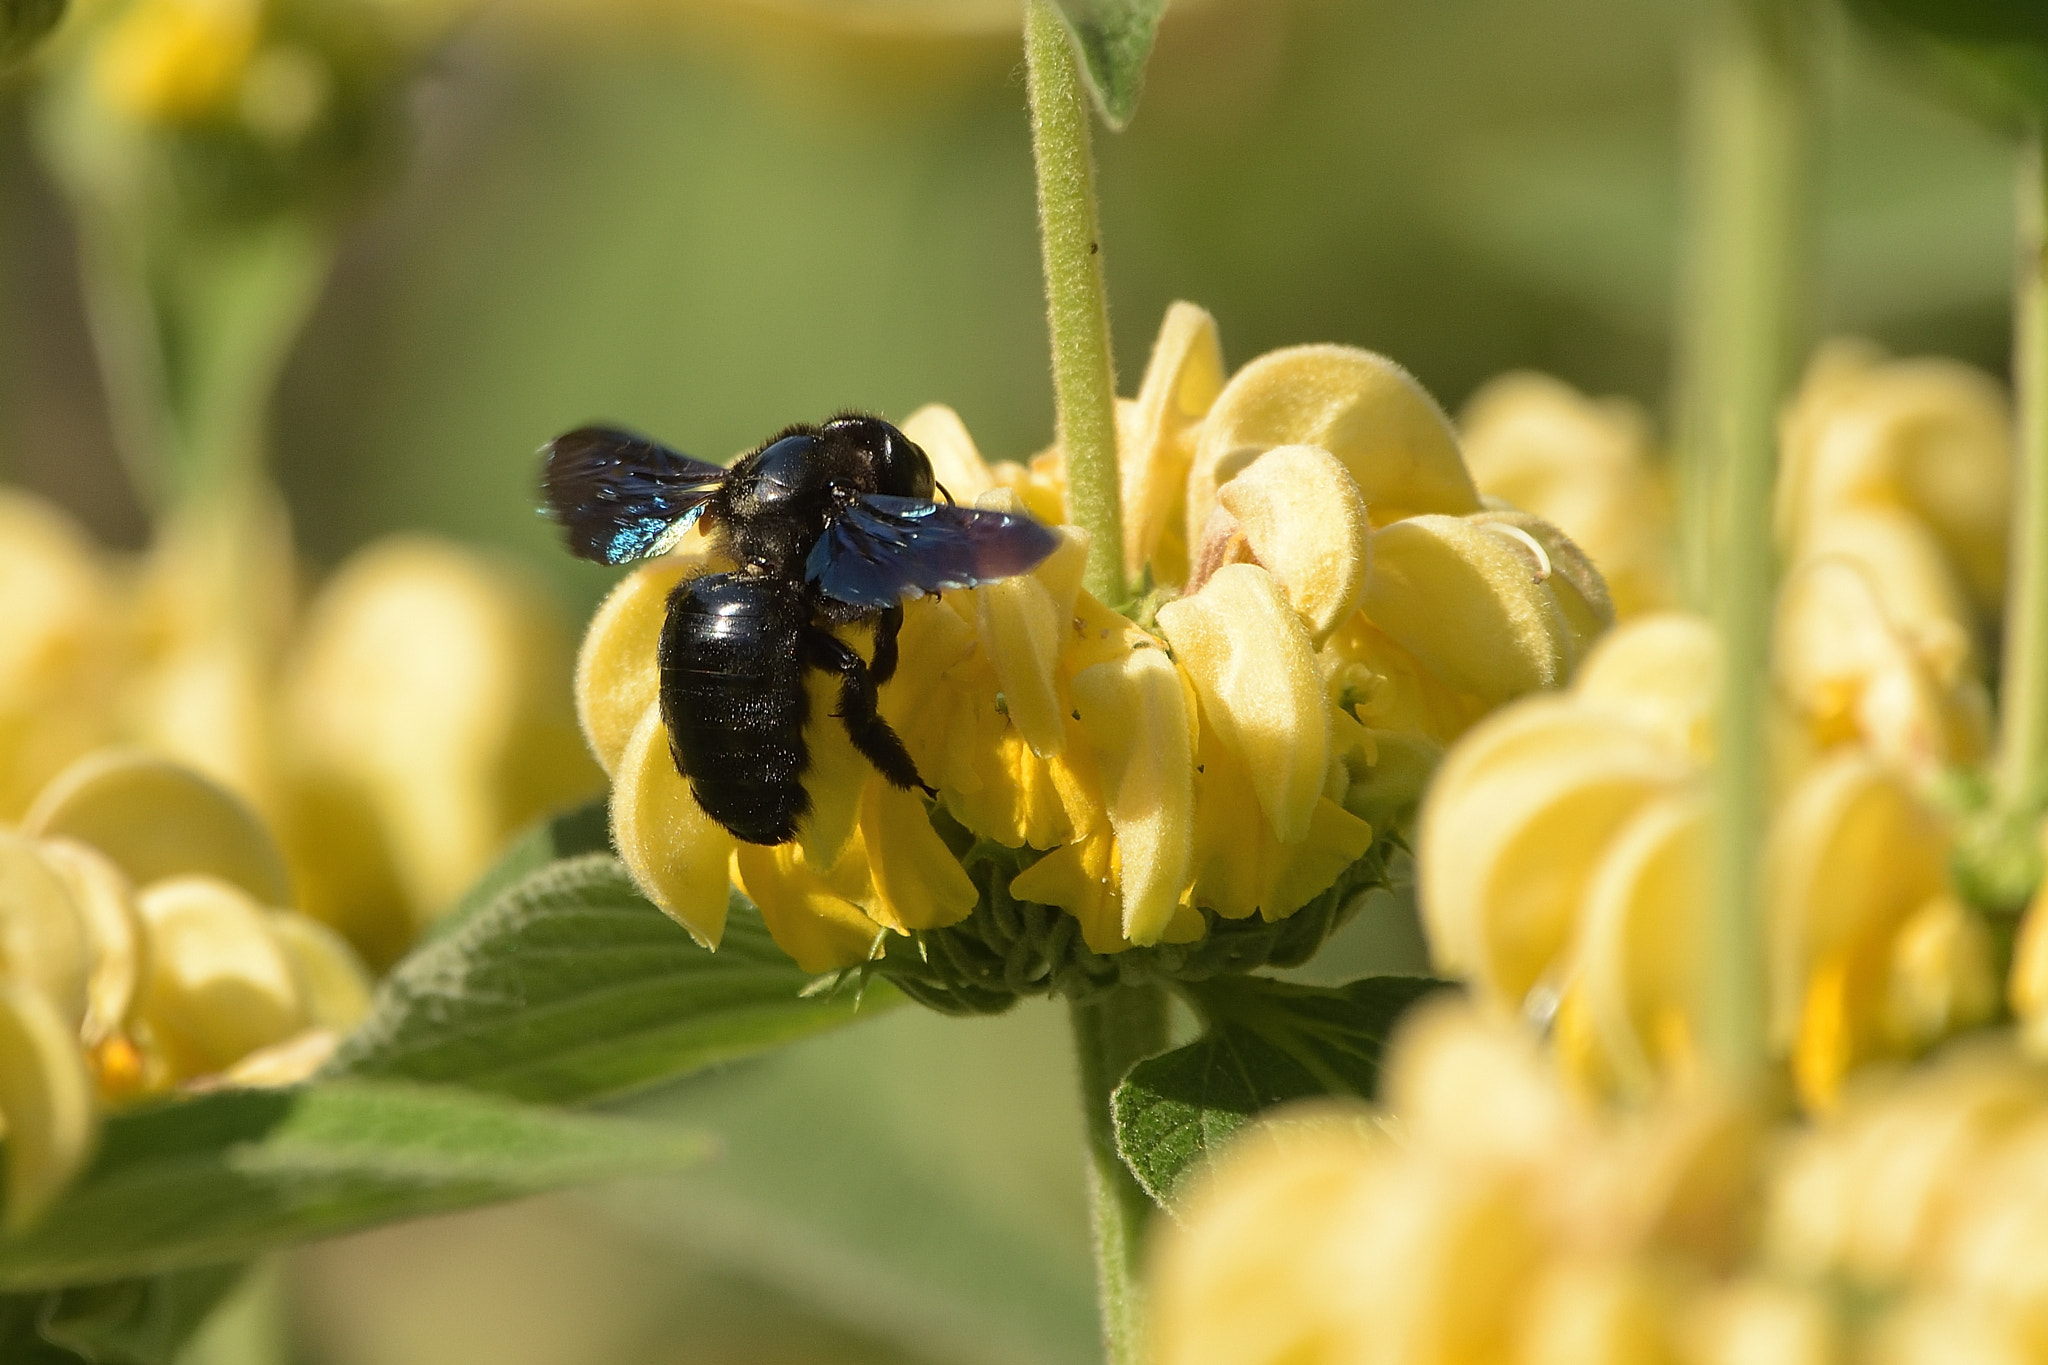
1561, 852
1338, 607
1491, 1213
395, 731
144, 946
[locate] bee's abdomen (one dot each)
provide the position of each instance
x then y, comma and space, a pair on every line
733, 698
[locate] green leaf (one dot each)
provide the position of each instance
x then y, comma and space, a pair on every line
23, 24
1266, 1042
224, 1176
572, 987
136, 1322
586, 829
1114, 39
1990, 56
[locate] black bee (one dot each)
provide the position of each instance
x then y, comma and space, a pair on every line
829, 525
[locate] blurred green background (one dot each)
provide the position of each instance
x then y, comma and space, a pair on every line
712, 221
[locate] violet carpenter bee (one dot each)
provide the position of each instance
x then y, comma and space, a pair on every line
829, 525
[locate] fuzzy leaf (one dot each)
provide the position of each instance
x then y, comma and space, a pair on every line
585, 829
1266, 1042
1114, 39
570, 986
223, 1176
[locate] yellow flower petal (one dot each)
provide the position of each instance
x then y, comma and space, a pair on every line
219, 984
1158, 434
817, 919
331, 980
1249, 655
1361, 407
1135, 714
1660, 674
157, 819
1641, 942
46, 1099
1941, 979
1503, 862
676, 853
1240, 868
616, 671
105, 901
1563, 568
1081, 879
1021, 627
1304, 519
956, 461
1465, 602
43, 939
918, 883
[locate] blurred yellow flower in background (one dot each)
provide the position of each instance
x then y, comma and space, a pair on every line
396, 731
1344, 607
146, 944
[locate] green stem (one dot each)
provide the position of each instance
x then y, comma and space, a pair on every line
2022, 771
1111, 1032
1751, 112
1077, 304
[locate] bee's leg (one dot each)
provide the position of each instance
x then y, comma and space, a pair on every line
868, 731
883, 666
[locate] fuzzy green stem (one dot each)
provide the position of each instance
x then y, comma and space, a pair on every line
1111, 1032
2022, 761
1076, 301
1751, 113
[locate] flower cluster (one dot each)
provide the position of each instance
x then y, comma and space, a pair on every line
146, 949
394, 732
1561, 856
1494, 1215
1332, 606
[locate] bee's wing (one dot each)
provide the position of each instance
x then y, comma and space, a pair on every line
879, 549
619, 496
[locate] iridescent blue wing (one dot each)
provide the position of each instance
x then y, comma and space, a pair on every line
879, 550
619, 496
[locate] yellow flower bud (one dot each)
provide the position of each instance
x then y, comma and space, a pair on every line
332, 984
1660, 674
220, 986
46, 1100
113, 933
615, 682
155, 819
1249, 656
43, 940
819, 919
1756, 1321
1852, 854
1933, 437
1468, 603
1603, 1311
1473, 1088
676, 853
430, 681
60, 653
1304, 521
1157, 435
1139, 718
1361, 407
1585, 465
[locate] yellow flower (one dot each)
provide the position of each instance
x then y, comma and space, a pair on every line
1344, 607
143, 946
178, 61
1585, 464
1561, 866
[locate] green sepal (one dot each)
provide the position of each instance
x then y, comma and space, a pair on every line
1265, 1042
570, 986
1114, 39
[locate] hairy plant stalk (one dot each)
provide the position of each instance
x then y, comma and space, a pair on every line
2022, 759
1077, 303
1739, 333
1111, 1032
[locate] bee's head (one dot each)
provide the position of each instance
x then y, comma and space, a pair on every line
897, 464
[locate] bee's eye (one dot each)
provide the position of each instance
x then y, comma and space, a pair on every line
902, 469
